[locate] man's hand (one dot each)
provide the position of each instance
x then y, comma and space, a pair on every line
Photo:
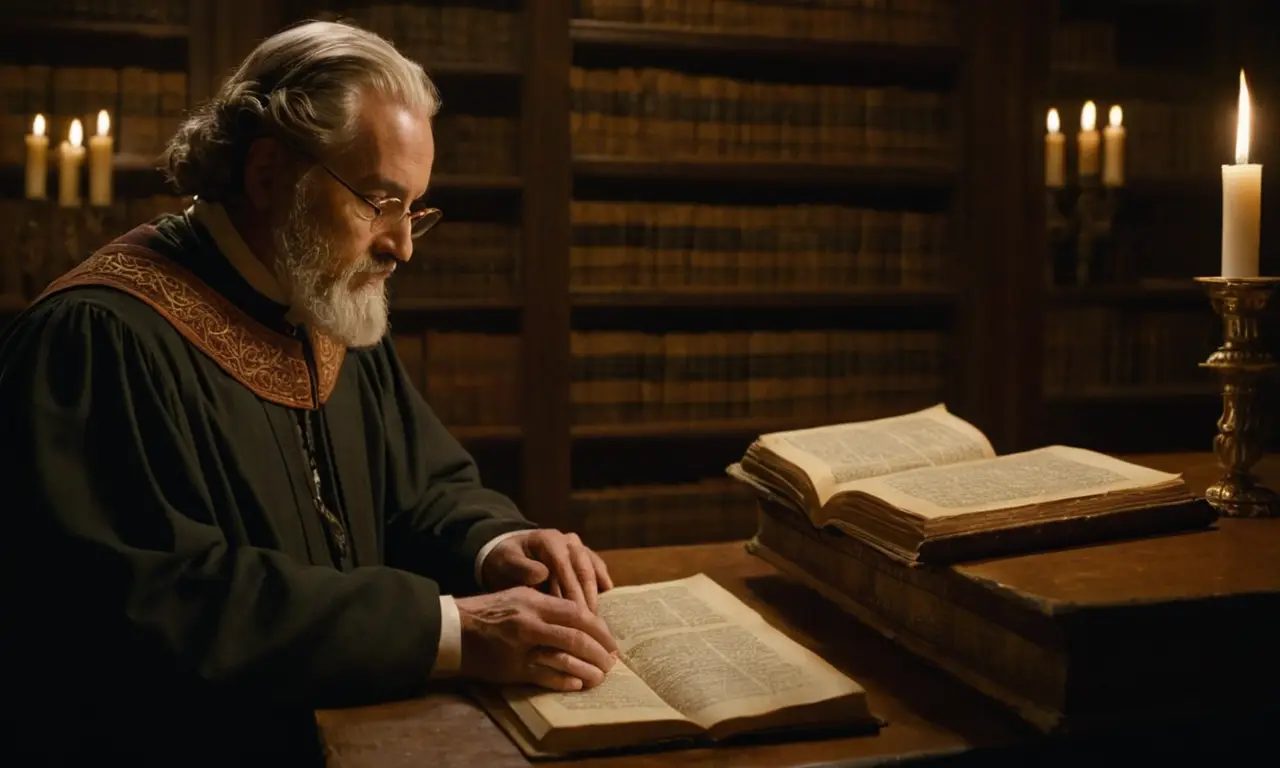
529, 559
520, 635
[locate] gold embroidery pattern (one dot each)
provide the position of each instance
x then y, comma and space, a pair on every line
269, 363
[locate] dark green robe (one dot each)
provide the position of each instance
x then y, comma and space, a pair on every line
174, 590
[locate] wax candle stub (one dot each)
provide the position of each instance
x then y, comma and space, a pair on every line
1087, 140
100, 150
1054, 152
1113, 151
37, 167
70, 157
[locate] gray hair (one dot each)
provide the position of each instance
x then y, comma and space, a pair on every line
304, 86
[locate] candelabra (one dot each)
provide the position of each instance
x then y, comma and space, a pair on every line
1080, 232
52, 238
1242, 364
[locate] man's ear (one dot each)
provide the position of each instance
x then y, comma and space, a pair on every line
267, 173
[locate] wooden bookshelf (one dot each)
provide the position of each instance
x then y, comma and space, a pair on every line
485, 434
455, 304
1130, 84
746, 428
649, 38
733, 298
621, 168
114, 29
11, 305
1176, 292
1135, 393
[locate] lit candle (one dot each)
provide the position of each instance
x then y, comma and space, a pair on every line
100, 162
1054, 152
1113, 149
37, 161
70, 156
1088, 140
1241, 201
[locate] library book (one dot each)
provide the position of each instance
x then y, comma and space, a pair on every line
927, 486
696, 666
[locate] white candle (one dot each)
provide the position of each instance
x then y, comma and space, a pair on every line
1241, 201
1113, 149
1055, 169
70, 156
37, 161
1087, 141
100, 162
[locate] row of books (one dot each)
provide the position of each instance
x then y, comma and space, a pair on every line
1087, 348
1083, 45
665, 515
150, 11
900, 21
673, 245
43, 241
463, 259
469, 379
476, 144
636, 377
145, 106
437, 33
668, 114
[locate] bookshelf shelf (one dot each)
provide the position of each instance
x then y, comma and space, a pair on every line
655, 38
616, 168
476, 182
11, 305
470, 69
130, 29
728, 297
486, 434
455, 304
1134, 394
1181, 293
745, 427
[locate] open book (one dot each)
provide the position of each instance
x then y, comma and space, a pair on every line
928, 486
695, 664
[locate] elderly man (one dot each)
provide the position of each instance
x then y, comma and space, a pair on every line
227, 504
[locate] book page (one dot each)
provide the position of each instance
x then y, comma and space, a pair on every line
710, 656
1031, 477
622, 697
836, 455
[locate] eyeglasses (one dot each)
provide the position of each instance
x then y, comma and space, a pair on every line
383, 210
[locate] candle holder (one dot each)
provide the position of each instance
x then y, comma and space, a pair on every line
1242, 364
50, 239
1080, 222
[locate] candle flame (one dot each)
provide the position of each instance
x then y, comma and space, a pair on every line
1088, 116
1242, 123
1054, 122
37, 125
104, 122
76, 135
1116, 116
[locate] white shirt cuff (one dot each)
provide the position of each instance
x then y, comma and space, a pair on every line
449, 653
488, 547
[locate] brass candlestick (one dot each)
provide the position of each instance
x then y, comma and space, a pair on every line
1242, 364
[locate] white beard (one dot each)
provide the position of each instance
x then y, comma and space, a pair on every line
356, 318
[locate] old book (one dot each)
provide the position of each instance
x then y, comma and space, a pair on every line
695, 665
928, 486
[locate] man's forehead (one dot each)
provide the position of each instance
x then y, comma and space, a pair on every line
394, 148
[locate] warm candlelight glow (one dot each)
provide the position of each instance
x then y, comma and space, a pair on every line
1088, 116
1242, 123
37, 126
76, 135
104, 122
1116, 116
1054, 122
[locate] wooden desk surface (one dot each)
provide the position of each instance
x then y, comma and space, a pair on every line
928, 712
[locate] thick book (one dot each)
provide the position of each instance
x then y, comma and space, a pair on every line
696, 666
927, 486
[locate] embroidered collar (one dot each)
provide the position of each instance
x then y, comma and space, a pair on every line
271, 364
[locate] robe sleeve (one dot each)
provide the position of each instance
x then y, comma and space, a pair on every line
440, 515
108, 494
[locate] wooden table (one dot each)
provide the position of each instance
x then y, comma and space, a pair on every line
932, 718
